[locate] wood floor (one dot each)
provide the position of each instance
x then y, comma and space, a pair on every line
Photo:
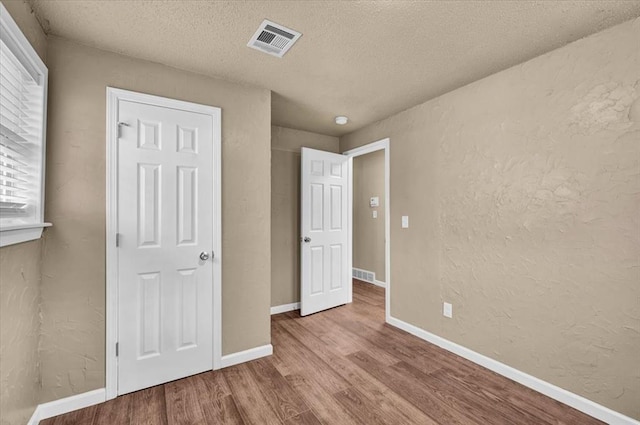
341, 366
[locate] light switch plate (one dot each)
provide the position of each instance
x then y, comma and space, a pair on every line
374, 214
374, 202
405, 221
447, 310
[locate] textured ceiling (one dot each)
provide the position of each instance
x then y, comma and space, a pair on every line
363, 59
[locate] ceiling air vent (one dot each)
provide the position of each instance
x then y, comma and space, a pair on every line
273, 39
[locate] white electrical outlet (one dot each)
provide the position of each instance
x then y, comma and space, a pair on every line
405, 221
374, 214
447, 310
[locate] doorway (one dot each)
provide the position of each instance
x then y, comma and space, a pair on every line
368, 218
369, 199
163, 240
326, 236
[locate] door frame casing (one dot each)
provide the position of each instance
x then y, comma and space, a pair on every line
384, 145
114, 96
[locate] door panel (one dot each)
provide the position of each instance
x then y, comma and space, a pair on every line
150, 319
336, 266
336, 207
187, 202
187, 309
149, 205
165, 220
325, 258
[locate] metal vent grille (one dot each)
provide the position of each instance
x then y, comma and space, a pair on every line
266, 37
365, 275
273, 39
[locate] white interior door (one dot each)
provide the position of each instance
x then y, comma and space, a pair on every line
165, 226
325, 257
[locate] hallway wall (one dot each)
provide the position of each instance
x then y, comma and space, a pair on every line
368, 232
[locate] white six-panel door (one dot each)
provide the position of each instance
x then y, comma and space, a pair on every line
165, 225
325, 257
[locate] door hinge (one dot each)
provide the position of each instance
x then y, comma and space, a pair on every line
117, 240
120, 125
117, 349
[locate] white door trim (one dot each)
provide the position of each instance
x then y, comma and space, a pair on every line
114, 95
383, 144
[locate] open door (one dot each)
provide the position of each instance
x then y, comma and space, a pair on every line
325, 257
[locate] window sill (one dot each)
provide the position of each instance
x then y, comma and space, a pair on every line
12, 235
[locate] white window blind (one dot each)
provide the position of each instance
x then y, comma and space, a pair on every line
22, 122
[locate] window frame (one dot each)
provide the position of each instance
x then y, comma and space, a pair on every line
17, 233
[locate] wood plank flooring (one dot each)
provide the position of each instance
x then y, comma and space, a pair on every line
341, 366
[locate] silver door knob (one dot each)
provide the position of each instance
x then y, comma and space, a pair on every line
204, 255
307, 239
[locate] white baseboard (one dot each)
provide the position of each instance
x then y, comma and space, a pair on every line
66, 405
80, 401
378, 283
577, 402
284, 308
246, 355
35, 418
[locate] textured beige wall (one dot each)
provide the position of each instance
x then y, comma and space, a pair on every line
368, 232
73, 283
19, 331
285, 208
20, 290
523, 192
